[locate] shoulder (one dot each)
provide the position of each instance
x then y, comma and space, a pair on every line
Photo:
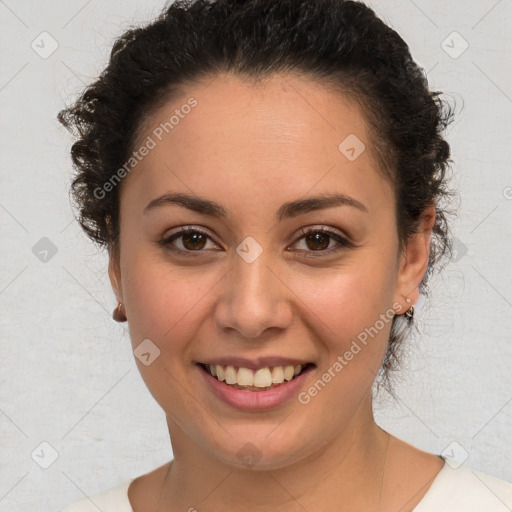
111, 500
462, 489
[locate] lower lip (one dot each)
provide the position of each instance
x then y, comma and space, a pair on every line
254, 400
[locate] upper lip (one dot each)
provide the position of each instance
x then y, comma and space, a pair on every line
255, 364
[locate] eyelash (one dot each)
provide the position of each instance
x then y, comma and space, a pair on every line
343, 243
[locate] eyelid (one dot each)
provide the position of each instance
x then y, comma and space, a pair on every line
342, 239
167, 239
306, 230
188, 228
343, 242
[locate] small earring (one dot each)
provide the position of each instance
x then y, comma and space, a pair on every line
118, 315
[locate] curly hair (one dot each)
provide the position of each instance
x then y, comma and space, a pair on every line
339, 44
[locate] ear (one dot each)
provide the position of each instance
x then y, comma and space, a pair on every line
114, 274
414, 261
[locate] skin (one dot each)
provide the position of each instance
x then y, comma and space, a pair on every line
251, 148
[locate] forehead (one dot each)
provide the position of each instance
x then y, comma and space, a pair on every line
285, 111
285, 134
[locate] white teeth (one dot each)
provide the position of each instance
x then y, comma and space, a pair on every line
277, 375
261, 378
220, 372
245, 377
231, 375
288, 372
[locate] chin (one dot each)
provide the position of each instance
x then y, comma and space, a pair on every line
258, 452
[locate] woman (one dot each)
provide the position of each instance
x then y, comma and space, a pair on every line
267, 177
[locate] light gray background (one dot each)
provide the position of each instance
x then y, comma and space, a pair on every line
67, 372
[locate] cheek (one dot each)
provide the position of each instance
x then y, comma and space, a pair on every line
348, 301
346, 316
163, 306
350, 314
160, 300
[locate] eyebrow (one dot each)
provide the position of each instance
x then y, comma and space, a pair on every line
287, 210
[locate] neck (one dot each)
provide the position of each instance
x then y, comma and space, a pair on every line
348, 470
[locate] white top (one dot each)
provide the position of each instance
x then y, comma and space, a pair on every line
453, 490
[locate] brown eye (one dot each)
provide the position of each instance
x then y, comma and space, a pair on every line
194, 241
317, 241
189, 240
324, 241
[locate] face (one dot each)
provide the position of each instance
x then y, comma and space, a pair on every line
246, 287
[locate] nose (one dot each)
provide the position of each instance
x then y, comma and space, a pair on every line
254, 300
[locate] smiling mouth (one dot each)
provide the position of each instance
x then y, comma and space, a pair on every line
262, 379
